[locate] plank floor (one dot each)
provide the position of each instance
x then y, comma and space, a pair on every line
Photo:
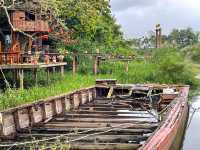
99, 125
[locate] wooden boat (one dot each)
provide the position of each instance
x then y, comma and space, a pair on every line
106, 116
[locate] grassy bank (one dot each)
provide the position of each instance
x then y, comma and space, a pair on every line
68, 83
165, 66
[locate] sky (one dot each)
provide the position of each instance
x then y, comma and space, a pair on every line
138, 17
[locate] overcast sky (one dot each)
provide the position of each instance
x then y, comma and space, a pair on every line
137, 17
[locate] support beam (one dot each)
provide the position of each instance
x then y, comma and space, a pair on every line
74, 63
95, 65
103, 146
54, 69
126, 66
35, 77
48, 75
62, 71
158, 36
52, 130
21, 78
96, 138
15, 78
64, 125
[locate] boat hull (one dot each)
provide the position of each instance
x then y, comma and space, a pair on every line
171, 132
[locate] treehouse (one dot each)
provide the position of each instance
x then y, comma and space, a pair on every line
28, 22
24, 41
14, 40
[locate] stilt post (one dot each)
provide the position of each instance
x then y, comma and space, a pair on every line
21, 79
62, 71
48, 76
126, 66
74, 63
35, 77
158, 36
95, 64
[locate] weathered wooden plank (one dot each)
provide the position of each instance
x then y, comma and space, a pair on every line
97, 125
120, 116
92, 138
107, 112
105, 108
82, 146
105, 146
103, 120
116, 131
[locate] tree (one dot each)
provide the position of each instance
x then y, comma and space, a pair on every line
182, 38
92, 23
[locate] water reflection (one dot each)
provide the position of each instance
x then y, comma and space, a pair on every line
192, 138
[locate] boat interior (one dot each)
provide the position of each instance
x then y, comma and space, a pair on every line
118, 117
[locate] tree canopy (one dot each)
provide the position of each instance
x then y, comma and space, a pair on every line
92, 23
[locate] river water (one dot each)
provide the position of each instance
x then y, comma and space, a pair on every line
192, 136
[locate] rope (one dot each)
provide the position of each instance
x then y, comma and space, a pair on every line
88, 135
64, 135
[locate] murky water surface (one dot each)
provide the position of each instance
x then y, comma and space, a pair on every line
192, 137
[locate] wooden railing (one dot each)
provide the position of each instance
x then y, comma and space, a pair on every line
9, 57
20, 58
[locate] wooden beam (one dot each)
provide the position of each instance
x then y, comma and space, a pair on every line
105, 146
35, 77
74, 65
92, 138
126, 64
93, 115
21, 78
97, 125
54, 69
48, 75
62, 71
51, 130
107, 112
103, 120
95, 65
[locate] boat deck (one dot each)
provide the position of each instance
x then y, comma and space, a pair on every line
101, 124
97, 118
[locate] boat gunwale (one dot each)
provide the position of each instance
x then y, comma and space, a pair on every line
180, 99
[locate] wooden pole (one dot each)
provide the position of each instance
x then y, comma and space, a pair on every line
126, 66
14, 78
62, 71
35, 77
21, 79
158, 36
98, 63
1, 50
74, 63
95, 65
48, 79
54, 69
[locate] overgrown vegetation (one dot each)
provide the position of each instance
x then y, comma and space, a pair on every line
193, 52
165, 66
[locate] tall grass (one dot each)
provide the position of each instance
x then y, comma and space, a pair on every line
68, 83
166, 66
